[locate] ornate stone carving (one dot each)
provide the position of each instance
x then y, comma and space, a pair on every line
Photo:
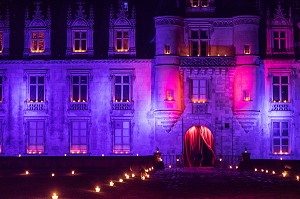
122, 105
79, 106
281, 107
167, 20
167, 118
207, 61
37, 106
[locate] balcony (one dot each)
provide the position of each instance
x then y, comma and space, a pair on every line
122, 105
281, 106
36, 106
79, 106
208, 61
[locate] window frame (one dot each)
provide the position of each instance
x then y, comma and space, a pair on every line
37, 39
280, 85
35, 148
122, 84
167, 49
79, 84
198, 41
79, 148
125, 148
37, 85
122, 39
199, 90
281, 137
80, 39
279, 39
1, 42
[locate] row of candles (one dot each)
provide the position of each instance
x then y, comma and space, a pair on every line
284, 173
144, 175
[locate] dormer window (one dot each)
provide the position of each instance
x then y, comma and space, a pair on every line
195, 3
37, 33
1, 42
37, 42
246, 49
80, 42
204, 3
80, 32
122, 41
122, 30
279, 41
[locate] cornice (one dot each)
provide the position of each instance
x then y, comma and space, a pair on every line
168, 20
281, 61
104, 61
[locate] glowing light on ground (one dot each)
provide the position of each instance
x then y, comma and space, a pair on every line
54, 196
273, 172
133, 175
97, 189
120, 180
267, 171
27, 172
53, 174
297, 178
255, 169
111, 183
73, 172
230, 167
143, 177
284, 174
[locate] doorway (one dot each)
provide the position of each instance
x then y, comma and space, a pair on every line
198, 147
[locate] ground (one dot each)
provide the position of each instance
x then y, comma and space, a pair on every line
168, 183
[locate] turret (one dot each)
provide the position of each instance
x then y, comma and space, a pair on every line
168, 102
246, 94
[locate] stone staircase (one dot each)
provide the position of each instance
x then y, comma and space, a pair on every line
247, 119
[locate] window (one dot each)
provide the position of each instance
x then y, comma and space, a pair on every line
280, 137
246, 49
167, 49
79, 137
79, 88
122, 137
36, 131
122, 88
204, 3
195, 3
279, 41
1, 42
199, 43
36, 88
247, 95
37, 42
1, 135
122, 41
280, 88
1, 88
80, 42
199, 90
125, 6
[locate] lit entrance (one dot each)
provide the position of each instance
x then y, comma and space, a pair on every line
198, 147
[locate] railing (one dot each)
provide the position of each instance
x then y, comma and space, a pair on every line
36, 106
281, 106
208, 61
78, 106
122, 105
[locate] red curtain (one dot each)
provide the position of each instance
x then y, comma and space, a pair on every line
194, 140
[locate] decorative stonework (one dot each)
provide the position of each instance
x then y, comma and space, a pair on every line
80, 22
36, 106
167, 118
168, 20
281, 107
38, 23
199, 108
78, 106
240, 20
5, 29
122, 20
207, 61
122, 105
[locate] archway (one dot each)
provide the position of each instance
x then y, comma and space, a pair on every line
198, 147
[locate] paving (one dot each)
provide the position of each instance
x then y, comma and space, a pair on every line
185, 183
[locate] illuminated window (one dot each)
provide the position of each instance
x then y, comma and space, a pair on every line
37, 42
199, 90
1, 42
122, 41
80, 42
195, 3
1, 135
199, 43
36, 88
122, 88
79, 88
204, 3
246, 95
36, 131
280, 88
170, 95
1, 88
280, 133
79, 137
121, 137
167, 49
279, 41
246, 49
